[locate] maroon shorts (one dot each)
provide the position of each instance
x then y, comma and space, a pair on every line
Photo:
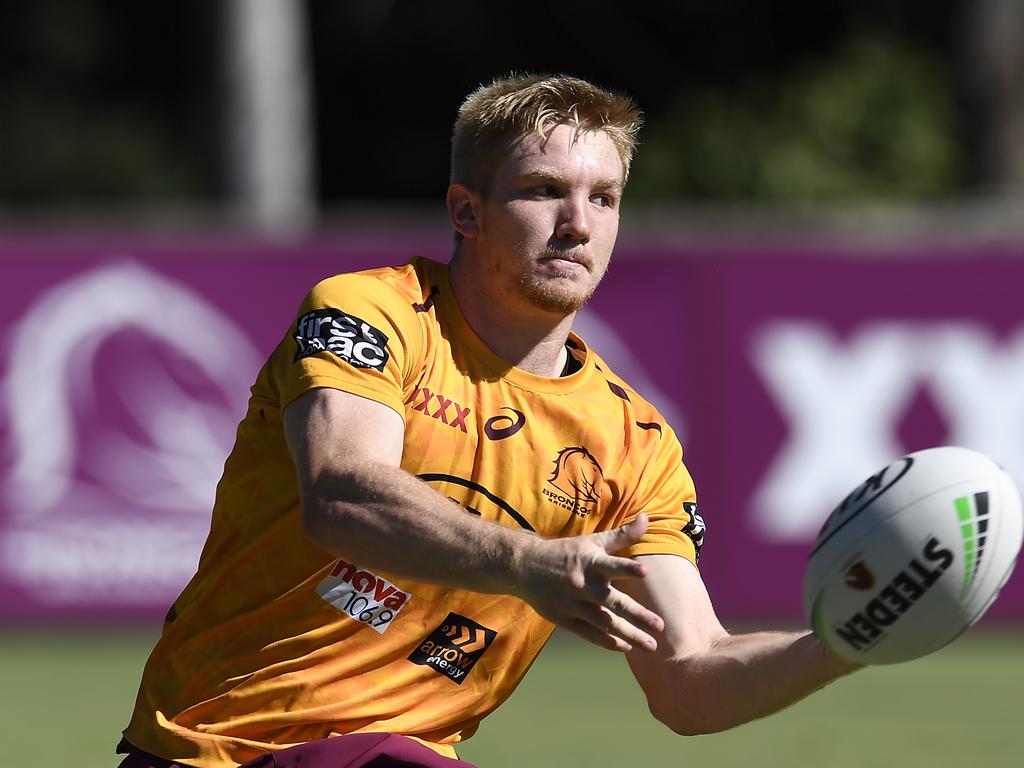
358, 750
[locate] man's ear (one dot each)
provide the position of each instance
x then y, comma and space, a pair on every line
464, 210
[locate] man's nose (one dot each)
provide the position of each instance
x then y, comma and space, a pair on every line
573, 222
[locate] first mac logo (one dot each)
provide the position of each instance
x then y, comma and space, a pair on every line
346, 336
454, 648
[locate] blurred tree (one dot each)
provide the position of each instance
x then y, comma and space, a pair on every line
116, 104
876, 120
103, 102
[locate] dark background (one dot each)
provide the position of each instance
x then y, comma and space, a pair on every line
117, 105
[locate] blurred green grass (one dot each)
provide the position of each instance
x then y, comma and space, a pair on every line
67, 694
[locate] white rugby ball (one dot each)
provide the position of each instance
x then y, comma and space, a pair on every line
913, 556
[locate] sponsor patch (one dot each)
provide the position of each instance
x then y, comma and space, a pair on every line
343, 335
363, 595
694, 528
454, 648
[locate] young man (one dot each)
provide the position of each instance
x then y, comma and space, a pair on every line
434, 472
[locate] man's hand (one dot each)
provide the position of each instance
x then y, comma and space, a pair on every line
568, 582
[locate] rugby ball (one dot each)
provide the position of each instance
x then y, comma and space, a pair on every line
913, 556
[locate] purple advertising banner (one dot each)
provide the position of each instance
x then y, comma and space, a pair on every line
790, 376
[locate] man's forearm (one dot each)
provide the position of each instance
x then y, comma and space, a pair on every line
382, 517
739, 678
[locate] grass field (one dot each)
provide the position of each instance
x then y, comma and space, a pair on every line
67, 695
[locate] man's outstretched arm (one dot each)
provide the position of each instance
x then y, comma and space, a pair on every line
358, 504
702, 679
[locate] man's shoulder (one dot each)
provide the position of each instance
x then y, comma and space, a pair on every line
410, 283
640, 414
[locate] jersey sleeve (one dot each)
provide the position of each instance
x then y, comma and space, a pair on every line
354, 333
665, 492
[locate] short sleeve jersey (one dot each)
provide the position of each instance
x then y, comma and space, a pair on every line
276, 642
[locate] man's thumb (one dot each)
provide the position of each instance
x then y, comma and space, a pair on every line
627, 535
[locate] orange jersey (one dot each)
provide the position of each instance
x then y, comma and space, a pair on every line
276, 642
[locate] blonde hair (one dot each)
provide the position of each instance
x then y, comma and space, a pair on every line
495, 116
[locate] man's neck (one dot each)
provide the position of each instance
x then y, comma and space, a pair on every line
527, 338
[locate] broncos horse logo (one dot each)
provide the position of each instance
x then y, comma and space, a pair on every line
578, 476
859, 576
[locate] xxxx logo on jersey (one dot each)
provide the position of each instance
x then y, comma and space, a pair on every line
437, 406
454, 648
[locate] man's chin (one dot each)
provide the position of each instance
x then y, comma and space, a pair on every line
558, 296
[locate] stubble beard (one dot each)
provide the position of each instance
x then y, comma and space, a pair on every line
559, 294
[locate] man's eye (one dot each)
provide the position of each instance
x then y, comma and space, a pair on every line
602, 200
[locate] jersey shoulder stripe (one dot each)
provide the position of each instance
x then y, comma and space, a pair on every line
639, 414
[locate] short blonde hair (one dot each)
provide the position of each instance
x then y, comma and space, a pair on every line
496, 116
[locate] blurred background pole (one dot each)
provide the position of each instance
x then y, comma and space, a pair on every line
270, 144
995, 69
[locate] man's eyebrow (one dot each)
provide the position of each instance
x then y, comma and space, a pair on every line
544, 174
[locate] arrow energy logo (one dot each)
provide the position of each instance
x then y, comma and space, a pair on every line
972, 511
454, 648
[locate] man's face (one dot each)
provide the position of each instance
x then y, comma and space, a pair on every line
548, 222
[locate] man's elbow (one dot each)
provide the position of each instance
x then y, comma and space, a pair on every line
685, 710
682, 721
328, 500
325, 520
315, 522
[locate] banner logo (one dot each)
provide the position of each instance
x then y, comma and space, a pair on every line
844, 398
121, 388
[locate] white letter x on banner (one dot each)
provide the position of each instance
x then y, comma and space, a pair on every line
841, 403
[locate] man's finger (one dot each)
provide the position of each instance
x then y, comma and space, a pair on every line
636, 614
608, 623
617, 567
618, 539
592, 634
